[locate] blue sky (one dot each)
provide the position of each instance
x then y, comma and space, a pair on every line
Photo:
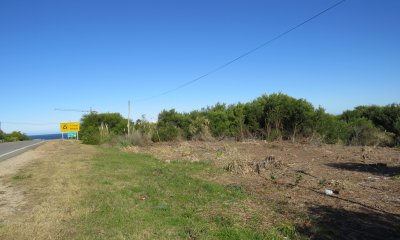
100, 54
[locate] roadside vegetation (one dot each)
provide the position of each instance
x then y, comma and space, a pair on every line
13, 136
135, 196
104, 193
269, 117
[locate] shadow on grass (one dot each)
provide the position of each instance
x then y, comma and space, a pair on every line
332, 223
377, 169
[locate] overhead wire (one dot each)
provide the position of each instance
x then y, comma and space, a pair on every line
244, 54
28, 123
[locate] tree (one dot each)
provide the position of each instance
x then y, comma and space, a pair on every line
383, 118
91, 124
15, 136
236, 117
219, 122
2, 136
171, 125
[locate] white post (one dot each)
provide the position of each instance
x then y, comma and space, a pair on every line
129, 117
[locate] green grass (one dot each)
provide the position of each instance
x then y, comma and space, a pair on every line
22, 176
134, 196
396, 177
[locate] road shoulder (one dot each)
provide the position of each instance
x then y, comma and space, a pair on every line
41, 187
11, 198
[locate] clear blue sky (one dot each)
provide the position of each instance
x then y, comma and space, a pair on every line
99, 54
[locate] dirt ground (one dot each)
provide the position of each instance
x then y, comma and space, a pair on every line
346, 192
39, 188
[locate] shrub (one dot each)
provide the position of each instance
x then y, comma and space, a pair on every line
2, 136
279, 116
134, 139
363, 132
146, 129
271, 117
198, 128
166, 132
91, 136
15, 136
385, 118
331, 129
100, 128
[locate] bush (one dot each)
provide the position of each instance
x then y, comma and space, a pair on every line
145, 128
279, 116
329, 127
171, 125
136, 138
91, 136
167, 132
385, 118
198, 128
364, 133
15, 136
271, 117
100, 128
2, 136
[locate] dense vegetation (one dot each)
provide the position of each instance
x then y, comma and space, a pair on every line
13, 137
98, 128
269, 117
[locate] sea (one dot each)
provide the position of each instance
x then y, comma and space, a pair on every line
46, 136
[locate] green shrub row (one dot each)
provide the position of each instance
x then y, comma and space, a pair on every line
269, 117
13, 137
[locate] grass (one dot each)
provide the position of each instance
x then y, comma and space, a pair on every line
77, 191
396, 177
22, 176
135, 196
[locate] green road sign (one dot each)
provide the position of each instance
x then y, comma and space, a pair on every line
71, 135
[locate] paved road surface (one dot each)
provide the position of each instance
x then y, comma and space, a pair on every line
11, 149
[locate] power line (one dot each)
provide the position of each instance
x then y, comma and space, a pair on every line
246, 53
28, 123
75, 110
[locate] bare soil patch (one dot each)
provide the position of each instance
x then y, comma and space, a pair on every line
39, 189
347, 192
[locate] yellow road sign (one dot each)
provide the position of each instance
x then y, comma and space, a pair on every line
70, 127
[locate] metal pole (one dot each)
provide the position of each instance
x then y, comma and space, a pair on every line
129, 117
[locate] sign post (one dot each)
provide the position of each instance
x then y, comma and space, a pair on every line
71, 128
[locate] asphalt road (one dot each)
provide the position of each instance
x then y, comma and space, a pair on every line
11, 149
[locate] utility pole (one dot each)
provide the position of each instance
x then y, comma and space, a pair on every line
129, 117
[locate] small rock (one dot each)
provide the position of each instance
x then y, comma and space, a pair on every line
328, 192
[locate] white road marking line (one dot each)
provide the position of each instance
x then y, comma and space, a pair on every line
19, 149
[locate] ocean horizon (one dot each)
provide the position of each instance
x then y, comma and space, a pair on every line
46, 136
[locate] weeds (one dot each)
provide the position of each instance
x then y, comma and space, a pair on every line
322, 182
396, 177
152, 199
236, 188
299, 177
22, 177
136, 138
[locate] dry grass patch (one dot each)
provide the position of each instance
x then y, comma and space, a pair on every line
48, 189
